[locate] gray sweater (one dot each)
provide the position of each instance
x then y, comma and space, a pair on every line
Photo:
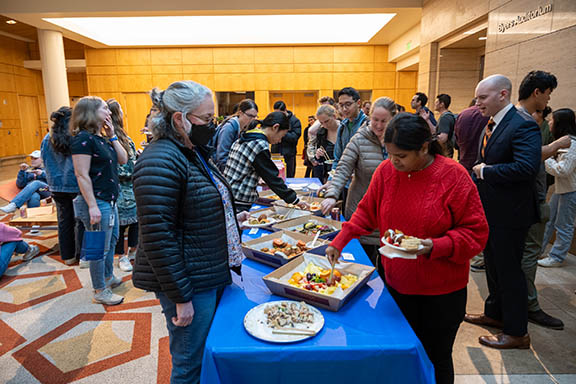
359, 161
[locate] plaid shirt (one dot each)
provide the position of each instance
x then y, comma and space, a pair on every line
239, 170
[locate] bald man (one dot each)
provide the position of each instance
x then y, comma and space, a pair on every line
506, 171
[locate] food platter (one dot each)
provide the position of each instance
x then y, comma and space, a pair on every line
263, 225
257, 325
260, 221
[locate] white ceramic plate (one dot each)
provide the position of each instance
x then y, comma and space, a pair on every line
255, 324
269, 223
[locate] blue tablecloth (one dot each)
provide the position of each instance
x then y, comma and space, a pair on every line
367, 341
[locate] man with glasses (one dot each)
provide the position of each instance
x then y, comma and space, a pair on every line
349, 104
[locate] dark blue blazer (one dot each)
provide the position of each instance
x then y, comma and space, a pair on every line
508, 190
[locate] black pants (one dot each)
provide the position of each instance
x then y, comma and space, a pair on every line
70, 230
508, 296
290, 161
308, 171
132, 238
435, 320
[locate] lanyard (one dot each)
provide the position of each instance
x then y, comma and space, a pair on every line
206, 167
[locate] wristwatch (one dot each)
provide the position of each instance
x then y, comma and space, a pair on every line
113, 138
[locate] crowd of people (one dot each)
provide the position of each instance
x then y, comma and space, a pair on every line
472, 186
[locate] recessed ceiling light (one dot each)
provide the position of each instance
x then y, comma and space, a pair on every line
482, 38
217, 30
10, 21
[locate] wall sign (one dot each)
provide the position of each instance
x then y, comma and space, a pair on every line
521, 19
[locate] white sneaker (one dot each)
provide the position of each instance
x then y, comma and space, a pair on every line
84, 264
9, 208
106, 297
31, 253
550, 263
113, 282
124, 264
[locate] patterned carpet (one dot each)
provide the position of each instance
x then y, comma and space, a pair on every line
51, 332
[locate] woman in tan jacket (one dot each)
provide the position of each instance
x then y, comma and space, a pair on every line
362, 155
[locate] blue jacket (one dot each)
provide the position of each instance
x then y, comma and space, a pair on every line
226, 135
25, 177
59, 169
345, 133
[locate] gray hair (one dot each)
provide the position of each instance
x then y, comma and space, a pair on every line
327, 110
180, 96
386, 103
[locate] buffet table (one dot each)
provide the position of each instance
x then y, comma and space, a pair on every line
368, 340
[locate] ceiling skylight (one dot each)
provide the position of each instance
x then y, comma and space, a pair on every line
218, 30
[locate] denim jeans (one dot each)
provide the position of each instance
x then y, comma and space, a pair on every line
187, 343
31, 194
562, 215
101, 270
7, 250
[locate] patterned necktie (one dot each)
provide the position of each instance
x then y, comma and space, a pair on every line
487, 134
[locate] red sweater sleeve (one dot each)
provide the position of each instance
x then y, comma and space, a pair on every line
365, 218
470, 230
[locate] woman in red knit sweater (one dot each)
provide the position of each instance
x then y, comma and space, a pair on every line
423, 194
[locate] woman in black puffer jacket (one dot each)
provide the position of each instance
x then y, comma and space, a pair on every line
189, 232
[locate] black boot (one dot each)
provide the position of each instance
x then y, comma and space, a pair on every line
545, 320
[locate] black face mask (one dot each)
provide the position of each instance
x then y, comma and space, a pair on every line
201, 134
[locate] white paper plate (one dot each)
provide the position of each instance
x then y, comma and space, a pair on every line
269, 223
393, 253
255, 324
396, 247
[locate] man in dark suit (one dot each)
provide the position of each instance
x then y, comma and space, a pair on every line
509, 161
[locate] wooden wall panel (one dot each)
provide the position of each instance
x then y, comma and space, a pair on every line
407, 79
233, 55
274, 55
133, 56
206, 79
233, 68
100, 83
26, 85
104, 57
134, 83
197, 56
134, 70
383, 80
354, 54
323, 67
306, 55
7, 82
166, 69
234, 82
101, 70
198, 68
381, 54
166, 56
272, 68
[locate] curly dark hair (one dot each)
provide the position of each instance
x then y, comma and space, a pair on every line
60, 135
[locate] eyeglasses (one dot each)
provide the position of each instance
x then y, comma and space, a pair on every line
250, 116
346, 105
205, 120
